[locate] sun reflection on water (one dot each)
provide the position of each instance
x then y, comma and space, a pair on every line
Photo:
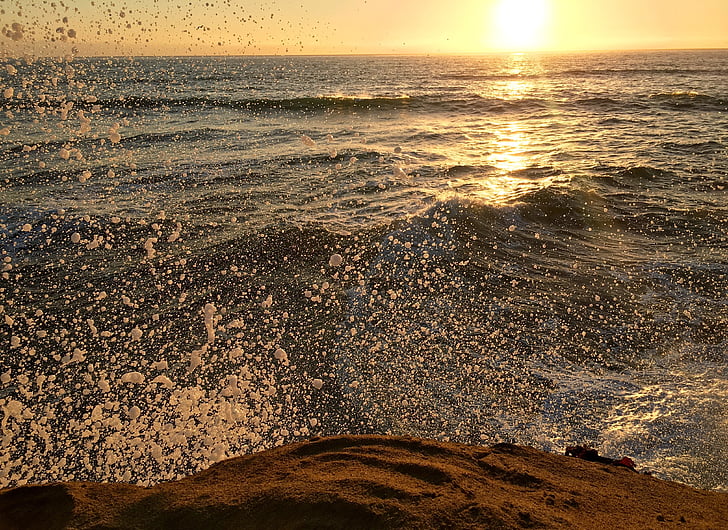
509, 151
519, 165
507, 189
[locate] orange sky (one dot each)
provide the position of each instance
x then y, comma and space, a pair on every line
139, 27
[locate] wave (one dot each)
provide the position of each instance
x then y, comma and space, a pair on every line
597, 72
698, 148
610, 72
641, 173
264, 104
519, 298
691, 100
458, 102
427, 103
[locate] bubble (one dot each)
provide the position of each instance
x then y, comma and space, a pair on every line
209, 312
104, 385
133, 378
196, 358
149, 246
335, 260
307, 141
317, 384
114, 136
164, 381
136, 334
281, 355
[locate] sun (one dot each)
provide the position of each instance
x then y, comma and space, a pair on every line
519, 25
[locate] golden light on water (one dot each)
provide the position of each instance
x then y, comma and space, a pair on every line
509, 151
505, 189
517, 169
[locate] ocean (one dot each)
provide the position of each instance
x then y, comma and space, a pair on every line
204, 257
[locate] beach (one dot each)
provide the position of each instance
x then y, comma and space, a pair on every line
377, 482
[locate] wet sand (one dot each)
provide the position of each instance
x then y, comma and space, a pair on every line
377, 482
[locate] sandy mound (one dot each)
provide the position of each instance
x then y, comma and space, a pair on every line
377, 482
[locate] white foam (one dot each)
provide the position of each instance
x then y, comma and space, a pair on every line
398, 172
114, 136
103, 385
136, 378
209, 315
281, 355
149, 246
164, 381
136, 334
196, 358
134, 412
307, 141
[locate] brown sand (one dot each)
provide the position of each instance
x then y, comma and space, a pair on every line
377, 482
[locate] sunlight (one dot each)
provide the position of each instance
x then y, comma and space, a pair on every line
519, 25
510, 146
506, 189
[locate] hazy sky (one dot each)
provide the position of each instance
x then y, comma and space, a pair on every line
359, 26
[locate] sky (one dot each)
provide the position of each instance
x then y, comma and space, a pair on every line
233, 27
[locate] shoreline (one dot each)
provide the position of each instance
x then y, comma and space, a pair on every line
371, 481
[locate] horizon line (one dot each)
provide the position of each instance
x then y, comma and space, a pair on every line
388, 54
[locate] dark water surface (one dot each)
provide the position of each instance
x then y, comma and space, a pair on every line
203, 257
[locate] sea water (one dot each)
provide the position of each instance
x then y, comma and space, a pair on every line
205, 257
